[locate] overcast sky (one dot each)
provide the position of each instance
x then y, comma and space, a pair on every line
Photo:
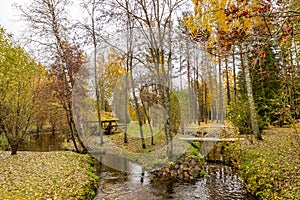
9, 18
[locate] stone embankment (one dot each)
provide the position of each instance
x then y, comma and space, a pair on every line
185, 169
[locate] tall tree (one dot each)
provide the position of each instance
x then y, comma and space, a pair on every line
153, 22
48, 23
90, 27
233, 22
74, 60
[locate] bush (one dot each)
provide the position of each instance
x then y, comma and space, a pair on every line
239, 115
3, 142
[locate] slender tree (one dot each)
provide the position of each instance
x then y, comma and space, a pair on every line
48, 24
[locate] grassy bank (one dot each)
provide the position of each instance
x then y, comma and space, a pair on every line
271, 168
46, 175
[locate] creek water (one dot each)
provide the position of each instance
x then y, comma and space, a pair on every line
130, 181
121, 179
42, 142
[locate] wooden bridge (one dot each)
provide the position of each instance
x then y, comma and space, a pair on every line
210, 135
212, 139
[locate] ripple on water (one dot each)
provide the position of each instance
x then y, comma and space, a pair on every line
220, 183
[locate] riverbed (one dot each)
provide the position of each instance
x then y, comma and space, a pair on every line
132, 182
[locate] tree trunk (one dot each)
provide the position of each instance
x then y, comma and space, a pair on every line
253, 114
84, 149
97, 91
14, 148
148, 119
211, 91
188, 80
126, 108
205, 102
129, 58
221, 106
71, 127
136, 105
168, 125
234, 77
227, 82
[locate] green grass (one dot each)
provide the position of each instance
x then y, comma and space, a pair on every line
133, 130
134, 139
46, 175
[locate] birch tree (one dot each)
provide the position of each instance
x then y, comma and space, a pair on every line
90, 27
49, 30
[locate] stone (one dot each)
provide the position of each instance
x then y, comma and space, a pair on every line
185, 166
186, 177
187, 159
180, 171
194, 162
164, 174
167, 170
173, 173
194, 172
197, 167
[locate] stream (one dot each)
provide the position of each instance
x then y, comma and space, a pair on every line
127, 180
221, 183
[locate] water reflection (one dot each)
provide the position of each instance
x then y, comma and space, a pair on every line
221, 183
42, 142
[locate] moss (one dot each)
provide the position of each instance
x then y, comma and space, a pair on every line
194, 150
93, 175
202, 173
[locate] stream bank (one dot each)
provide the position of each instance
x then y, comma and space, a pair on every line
270, 168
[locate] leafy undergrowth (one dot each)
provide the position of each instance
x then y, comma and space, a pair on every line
46, 175
271, 168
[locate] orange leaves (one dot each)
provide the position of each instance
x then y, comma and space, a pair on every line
227, 22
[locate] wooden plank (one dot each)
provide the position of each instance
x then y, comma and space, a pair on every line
213, 139
212, 126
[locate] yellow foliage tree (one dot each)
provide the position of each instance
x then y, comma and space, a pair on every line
111, 70
226, 21
20, 78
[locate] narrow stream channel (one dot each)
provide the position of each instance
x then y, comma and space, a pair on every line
127, 180
220, 183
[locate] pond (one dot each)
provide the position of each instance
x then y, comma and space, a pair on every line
221, 183
42, 142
